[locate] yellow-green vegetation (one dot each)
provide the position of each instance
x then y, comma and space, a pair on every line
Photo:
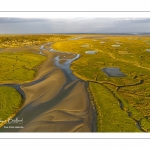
19, 66
25, 40
10, 102
133, 91
110, 117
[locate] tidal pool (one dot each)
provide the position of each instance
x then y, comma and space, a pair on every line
52, 50
113, 72
90, 52
85, 45
148, 50
75, 38
118, 43
115, 45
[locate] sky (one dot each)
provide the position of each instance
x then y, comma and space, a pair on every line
36, 23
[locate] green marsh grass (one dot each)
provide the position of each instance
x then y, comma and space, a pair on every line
19, 66
132, 90
10, 102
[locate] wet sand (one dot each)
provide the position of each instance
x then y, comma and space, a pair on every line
54, 102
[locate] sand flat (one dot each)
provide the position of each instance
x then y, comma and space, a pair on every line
45, 88
76, 100
53, 102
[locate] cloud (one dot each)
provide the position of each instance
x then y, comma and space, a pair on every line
73, 25
21, 20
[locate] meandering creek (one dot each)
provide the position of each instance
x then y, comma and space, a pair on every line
56, 102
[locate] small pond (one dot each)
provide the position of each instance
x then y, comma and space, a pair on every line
85, 45
148, 50
75, 38
115, 45
113, 72
90, 52
52, 50
118, 43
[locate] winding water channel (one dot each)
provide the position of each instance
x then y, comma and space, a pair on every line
56, 102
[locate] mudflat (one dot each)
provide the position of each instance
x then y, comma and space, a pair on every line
53, 101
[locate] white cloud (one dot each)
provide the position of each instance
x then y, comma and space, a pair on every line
77, 25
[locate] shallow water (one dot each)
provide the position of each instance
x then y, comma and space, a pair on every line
90, 52
113, 72
85, 45
43, 47
115, 45
66, 66
148, 50
42, 112
75, 38
118, 43
52, 50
